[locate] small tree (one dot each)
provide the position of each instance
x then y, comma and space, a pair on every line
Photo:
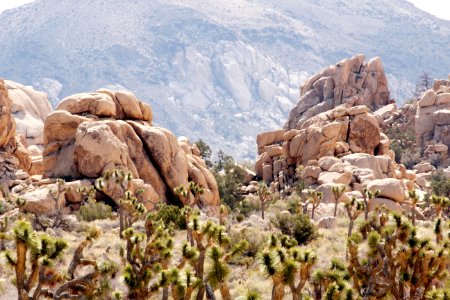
338, 191
354, 208
424, 83
264, 196
314, 197
440, 203
414, 198
368, 195
205, 151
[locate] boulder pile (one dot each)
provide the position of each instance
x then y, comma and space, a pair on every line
92, 133
362, 83
334, 135
432, 121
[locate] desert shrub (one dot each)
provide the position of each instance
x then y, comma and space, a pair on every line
170, 214
5, 206
240, 217
94, 210
435, 160
298, 226
440, 184
401, 141
230, 179
293, 205
255, 237
409, 158
247, 207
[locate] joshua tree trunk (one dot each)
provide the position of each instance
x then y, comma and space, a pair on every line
278, 289
366, 209
165, 295
262, 210
20, 270
413, 214
225, 291
312, 212
200, 272
350, 227
335, 207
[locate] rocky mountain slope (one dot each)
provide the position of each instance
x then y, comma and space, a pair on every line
220, 71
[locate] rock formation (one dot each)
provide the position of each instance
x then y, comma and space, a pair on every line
335, 135
349, 80
91, 133
432, 120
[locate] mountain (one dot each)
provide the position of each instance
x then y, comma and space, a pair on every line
222, 71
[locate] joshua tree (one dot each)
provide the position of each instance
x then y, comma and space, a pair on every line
331, 282
218, 271
42, 251
185, 193
264, 196
287, 265
147, 256
414, 197
368, 195
397, 265
314, 197
337, 190
440, 203
354, 208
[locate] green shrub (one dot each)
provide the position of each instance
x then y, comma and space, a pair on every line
94, 210
240, 217
298, 226
293, 205
170, 214
440, 184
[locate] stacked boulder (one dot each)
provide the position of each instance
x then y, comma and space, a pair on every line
349, 80
332, 137
92, 133
432, 121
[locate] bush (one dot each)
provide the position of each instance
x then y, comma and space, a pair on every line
255, 237
402, 142
240, 217
94, 210
293, 205
171, 214
440, 184
247, 207
409, 158
298, 226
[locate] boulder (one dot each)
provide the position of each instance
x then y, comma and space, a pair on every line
29, 109
327, 223
335, 177
391, 188
387, 203
326, 162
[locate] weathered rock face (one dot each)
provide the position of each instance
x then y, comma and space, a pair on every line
92, 133
13, 154
349, 81
29, 109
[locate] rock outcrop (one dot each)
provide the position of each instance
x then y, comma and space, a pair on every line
91, 133
350, 80
432, 120
334, 136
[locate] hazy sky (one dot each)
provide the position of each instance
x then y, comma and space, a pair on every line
440, 8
